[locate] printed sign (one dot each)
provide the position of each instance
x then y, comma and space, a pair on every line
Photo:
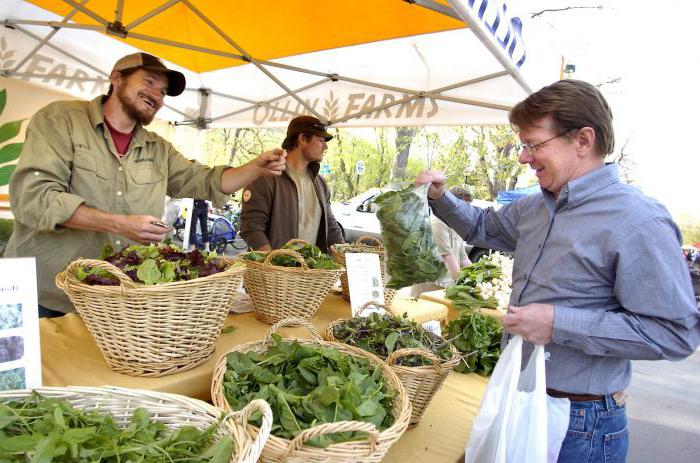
20, 350
325, 169
360, 167
364, 279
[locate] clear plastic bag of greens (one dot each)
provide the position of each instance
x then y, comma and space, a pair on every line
411, 254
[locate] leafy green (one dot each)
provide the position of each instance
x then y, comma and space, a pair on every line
313, 256
465, 294
307, 386
40, 429
153, 264
384, 334
478, 338
408, 238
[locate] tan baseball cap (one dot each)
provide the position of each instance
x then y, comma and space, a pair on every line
302, 124
176, 80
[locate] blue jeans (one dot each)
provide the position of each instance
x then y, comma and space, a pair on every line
597, 433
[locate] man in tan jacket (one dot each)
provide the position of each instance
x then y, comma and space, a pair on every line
295, 204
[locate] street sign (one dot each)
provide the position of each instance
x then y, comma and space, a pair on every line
325, 169
360, 167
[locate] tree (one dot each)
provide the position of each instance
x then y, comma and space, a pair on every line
404, 138
497, 167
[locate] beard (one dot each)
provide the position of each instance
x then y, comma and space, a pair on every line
132, 110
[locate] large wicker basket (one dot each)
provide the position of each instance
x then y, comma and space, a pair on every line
422, 382
153, 330
280, 292
371, 449
174, 411
338, 251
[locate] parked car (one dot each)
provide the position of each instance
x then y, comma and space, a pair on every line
357, 217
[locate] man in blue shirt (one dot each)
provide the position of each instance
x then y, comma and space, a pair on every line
597, 277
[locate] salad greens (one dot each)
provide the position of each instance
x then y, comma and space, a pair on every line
384, 334
313, 256
153, 264
308, 385
408, 238
41, 429
478, 338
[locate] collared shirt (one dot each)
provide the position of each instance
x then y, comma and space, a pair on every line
607, 258
69, 159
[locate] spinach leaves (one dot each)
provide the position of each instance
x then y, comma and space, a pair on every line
478, 338
308, 385
384, 334
313, 256
408, 237
41, 429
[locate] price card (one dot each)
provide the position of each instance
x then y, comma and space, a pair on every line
20, 350
364, 279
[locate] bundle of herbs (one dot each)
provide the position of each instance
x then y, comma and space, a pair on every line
307, 385
41, 429
384, 334
478, 338
153, 264
412, 256
471, 288
314, 257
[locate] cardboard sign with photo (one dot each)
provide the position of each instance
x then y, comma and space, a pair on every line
20, 350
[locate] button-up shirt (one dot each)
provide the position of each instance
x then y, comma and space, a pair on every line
608, 258
69, 159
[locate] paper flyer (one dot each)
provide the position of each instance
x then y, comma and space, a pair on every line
20, 349
364, 279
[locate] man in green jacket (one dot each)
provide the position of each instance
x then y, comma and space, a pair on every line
90, 174
297, 203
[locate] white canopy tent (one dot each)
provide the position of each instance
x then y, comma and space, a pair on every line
349, 73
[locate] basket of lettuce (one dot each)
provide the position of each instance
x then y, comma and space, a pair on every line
108, 424
331, 402
289, 282
153, 310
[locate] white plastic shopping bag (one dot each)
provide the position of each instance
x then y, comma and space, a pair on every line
512, 424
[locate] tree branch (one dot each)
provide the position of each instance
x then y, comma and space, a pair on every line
557, 10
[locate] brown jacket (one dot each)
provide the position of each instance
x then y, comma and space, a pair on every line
270, 213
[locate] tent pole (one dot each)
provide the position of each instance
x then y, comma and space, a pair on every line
119, 11
150, 14
249, 58
465, 83
43, 41
435, 6
88, 12
270, 101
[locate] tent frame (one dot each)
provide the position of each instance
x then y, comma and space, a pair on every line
116, 28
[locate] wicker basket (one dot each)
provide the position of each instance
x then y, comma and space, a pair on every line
277, 449
153, 330
280, 292
421, 383
338, 251
174, 411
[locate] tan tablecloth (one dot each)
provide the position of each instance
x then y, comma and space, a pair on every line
71, 357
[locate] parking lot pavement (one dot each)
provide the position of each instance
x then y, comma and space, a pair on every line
663, 409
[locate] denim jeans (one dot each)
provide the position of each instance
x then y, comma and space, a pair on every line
597, 433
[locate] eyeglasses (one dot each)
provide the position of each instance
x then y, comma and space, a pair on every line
532, 148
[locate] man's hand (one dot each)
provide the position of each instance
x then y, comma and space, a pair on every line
271, 162
436, 179
534, 322
142, 228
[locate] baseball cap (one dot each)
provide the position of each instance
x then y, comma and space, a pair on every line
176, 80
302, 124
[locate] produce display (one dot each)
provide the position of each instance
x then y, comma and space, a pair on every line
313, 256
41, 429
483, 284
412, 256
384, 334
478, 338
307, 385
153, 264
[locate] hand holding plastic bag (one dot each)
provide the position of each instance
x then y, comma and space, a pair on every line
412, 256
518, 422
